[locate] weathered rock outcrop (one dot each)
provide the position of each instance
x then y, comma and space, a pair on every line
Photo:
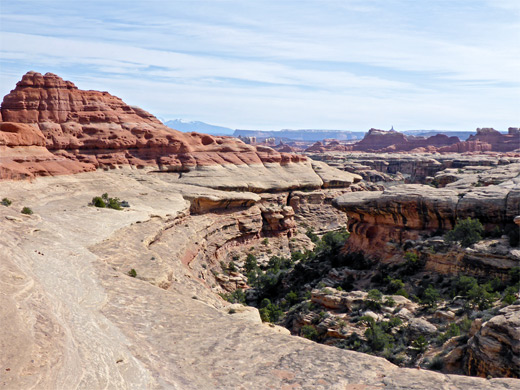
381, 222
495, 349
62, 129
388, 141
486, 139
66, 297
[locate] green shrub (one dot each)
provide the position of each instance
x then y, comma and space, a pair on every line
431, 296
453, 330
436, 364
309, 332
132, 273
269, 312
377, 338
390, 302
464, 284
514, 275
480, 297
251, 263
237, 296
313, 236
465, 324
509, 296
114, 203
27, 211
104, 201
98, 202
374, 299
6, 202
291, 298
394, 285
420, 344
466, 232
402, 292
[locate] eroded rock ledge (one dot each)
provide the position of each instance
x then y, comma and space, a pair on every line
76, 320
381, 222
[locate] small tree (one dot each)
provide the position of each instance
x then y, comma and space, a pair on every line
431, 296
251, 263
466, 232
374, 299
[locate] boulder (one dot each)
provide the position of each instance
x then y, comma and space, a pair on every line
495, 348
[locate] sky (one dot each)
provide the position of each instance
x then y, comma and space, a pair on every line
343, 64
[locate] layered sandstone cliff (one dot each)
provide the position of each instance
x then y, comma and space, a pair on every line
382, 222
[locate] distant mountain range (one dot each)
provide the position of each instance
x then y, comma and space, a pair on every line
199, 127
302, 135
309, 135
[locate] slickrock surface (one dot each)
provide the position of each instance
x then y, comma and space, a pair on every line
72, 319
51, 127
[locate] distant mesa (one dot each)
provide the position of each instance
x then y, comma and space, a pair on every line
485, 140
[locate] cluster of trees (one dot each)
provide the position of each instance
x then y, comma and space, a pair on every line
111, 203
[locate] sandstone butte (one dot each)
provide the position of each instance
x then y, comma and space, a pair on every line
485, 140
71, 316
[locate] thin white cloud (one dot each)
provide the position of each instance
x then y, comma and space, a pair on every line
318, 64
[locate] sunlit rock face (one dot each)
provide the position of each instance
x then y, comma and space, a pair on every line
51, 127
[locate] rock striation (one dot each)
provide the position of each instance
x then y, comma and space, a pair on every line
66, 296
495, 349
51, 127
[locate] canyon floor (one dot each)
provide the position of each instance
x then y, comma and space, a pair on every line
72, 318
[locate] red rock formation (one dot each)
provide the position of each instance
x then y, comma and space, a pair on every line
498, 141
331, 146
393, 141
484, 141
76, 130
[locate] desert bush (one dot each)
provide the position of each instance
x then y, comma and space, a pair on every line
309, 332
269, 312
6, 202
394, 285
132, 273
237, 296
105, 201
98, 202
27, 211
430, 296
466, 232
374, 299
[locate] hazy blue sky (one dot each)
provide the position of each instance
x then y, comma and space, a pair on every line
348, 64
